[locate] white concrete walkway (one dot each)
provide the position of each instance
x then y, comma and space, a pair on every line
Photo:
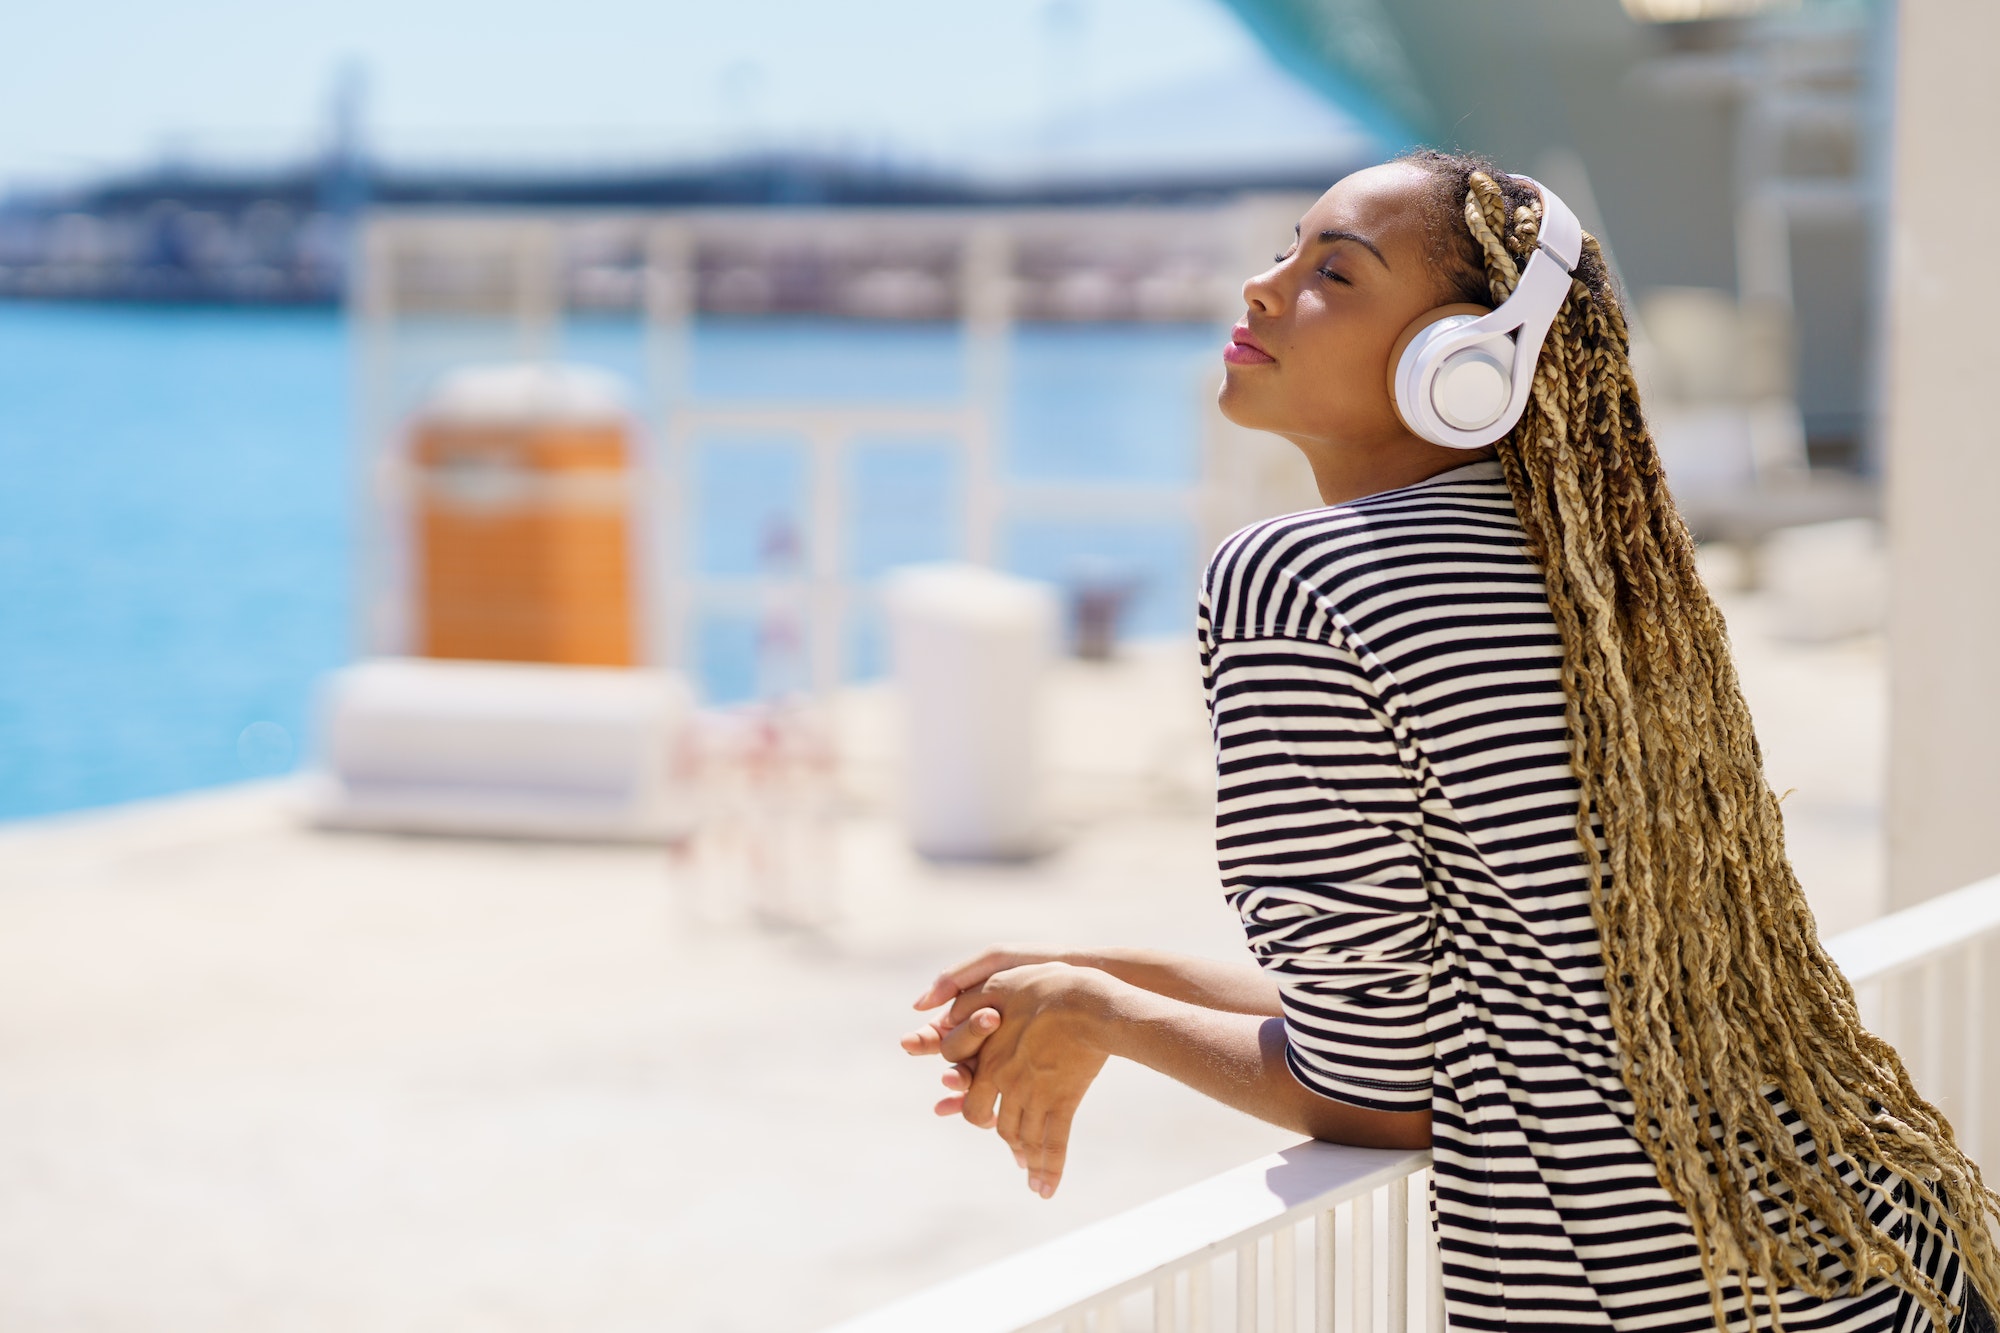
254, 1077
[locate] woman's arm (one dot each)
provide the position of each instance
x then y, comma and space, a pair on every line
1207, 983
1235, 988
1058, 1024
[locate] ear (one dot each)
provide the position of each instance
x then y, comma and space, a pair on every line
1409, 335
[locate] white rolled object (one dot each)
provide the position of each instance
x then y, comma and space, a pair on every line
505, 749
970, 650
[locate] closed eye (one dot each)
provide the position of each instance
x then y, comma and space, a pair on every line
1333, 276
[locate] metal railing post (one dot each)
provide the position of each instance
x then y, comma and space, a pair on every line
986, 312
667, 293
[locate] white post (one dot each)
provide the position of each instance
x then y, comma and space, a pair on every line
826, 543
1364, 1261
986, 312
1399, 1257
1326, 1256
1972, 1054
1284, 1280
1246, 1287
1434, 1285
669, 297
1943, 466
538, 289
381, 599
1163, 1305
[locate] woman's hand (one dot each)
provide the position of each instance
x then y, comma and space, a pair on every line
953, 981
974, 1028
1036, 1061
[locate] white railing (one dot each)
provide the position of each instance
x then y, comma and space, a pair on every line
1920, 975
1296, 1233
824, 592
440, 287
1293, 1232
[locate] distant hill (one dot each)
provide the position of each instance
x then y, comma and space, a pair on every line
179, 234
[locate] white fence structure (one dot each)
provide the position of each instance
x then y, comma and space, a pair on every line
1337, 1240
1921, 975
440, 287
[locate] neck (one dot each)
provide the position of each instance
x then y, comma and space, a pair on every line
1344, 472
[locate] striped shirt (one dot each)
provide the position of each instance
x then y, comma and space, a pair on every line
1396, 824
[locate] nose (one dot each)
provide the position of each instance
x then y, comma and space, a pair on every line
1261, 292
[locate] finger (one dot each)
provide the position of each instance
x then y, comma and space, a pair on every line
1008, 1125
957, 1078
949, 1105
955, 979
963, 1042
1033, 1120
927, 1040
966, 975
968, 1003
938, 992
1052, 1153
980, 1098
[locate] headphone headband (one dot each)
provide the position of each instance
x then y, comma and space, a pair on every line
1463, 381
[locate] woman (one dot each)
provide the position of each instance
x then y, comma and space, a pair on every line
1492, 811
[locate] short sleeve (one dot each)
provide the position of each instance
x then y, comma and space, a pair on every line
1318, 836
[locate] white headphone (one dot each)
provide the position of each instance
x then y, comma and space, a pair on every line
1460, 374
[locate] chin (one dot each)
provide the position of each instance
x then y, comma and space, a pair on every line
1241, 405
1235, 403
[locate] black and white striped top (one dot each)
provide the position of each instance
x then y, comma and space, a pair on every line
1396, 823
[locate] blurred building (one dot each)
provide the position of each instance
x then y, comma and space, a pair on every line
1730, 146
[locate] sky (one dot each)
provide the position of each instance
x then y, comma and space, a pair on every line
90, 86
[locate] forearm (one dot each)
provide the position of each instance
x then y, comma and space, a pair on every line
1236, 988
1238, 1059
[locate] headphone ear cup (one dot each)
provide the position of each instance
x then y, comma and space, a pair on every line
1406, 412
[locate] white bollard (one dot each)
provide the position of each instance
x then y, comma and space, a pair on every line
970, 648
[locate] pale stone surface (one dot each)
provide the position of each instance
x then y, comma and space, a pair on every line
1940, 464
254, 1077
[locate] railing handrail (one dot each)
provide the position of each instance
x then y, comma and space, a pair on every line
1123, 1254
1099, 1264
1901, 940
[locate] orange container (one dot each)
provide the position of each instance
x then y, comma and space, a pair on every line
524, 518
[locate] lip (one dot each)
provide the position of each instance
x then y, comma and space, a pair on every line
1245, 350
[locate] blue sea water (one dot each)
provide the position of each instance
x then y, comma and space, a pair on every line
174, 544
176, 529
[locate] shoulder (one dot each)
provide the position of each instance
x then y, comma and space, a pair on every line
1302, 575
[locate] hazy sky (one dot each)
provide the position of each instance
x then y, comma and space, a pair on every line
87, 85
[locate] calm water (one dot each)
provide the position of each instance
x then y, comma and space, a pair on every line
175, 536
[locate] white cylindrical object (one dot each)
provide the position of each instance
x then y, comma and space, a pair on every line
504, 748
970, 649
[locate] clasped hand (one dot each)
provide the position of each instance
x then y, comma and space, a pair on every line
1020, 1035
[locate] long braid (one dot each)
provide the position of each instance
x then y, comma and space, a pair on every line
1719, 988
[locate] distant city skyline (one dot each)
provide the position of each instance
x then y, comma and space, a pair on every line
1025, 85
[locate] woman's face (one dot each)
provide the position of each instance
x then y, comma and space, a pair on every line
1310, 358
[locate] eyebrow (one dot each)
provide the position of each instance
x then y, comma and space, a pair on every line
1337, 234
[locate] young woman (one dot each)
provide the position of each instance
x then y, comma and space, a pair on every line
1494, 816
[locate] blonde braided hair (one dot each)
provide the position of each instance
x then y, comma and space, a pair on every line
1718, 986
